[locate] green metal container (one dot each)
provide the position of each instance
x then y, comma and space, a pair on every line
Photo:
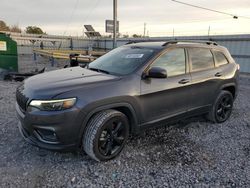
8, 54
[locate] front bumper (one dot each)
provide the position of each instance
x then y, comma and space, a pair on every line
51, 130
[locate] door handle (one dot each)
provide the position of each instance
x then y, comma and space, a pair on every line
184, 81
218, 74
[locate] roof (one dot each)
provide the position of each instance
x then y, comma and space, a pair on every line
165, 44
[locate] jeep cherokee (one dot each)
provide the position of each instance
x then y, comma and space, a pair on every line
133, 87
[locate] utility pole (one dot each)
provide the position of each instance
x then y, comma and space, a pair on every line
115, 23
209, 31
144, 34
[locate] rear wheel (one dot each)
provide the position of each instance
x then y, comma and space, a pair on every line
222, 108
105, 135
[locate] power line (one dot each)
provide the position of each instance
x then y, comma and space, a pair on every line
91, 10
96, 3
212, 10
244, 17
194, 21
145, 27
71, 16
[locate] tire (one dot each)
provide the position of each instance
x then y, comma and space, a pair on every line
222, 105
105, 135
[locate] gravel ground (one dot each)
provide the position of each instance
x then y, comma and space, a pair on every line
192, 153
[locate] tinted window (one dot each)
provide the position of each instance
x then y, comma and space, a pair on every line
202, 59
123, 60
220, 58
173, 61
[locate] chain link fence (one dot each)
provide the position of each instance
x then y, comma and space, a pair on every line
238, 45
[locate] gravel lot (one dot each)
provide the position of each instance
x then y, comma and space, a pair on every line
193, 153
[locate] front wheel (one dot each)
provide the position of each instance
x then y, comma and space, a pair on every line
222, 108
105, 135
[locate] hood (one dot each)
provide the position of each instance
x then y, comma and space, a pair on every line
52, 83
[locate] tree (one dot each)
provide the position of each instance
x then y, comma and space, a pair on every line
136, 36
15, 29
125, 36
119, 35
3, 26
34, 30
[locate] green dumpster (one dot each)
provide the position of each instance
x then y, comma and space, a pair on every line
8, 54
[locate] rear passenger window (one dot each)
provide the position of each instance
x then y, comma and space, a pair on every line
220, 58
173, 61
202, 59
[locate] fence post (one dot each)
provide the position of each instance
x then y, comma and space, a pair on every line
105, 47
52, 61
34, 56
71, 43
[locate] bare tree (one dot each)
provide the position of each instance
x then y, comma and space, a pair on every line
15, 28
3, 26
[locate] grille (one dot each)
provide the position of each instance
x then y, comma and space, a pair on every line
21, 98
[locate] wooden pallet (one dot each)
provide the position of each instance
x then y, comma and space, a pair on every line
64, 54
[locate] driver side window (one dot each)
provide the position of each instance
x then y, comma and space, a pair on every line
173, 61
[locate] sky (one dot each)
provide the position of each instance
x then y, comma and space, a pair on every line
162, 17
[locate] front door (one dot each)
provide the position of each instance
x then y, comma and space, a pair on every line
165, 97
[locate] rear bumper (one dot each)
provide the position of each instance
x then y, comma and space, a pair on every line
50, 130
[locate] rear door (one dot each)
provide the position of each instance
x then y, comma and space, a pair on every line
166, 97
205, 76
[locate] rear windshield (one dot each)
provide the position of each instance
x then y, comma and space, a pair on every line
123, 60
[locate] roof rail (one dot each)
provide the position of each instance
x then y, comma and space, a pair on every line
191, 41
135, 41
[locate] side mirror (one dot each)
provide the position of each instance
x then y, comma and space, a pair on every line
156, 72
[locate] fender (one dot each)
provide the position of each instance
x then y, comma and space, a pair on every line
228, 85
134, 128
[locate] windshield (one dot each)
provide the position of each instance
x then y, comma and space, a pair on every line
122, 60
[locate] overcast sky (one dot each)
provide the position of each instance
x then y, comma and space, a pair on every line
162, 16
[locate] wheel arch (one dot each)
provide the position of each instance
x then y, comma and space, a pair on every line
124, 108
231, 88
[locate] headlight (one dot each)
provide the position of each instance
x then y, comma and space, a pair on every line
52, 105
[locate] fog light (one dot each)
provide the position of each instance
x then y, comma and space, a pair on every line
47, 135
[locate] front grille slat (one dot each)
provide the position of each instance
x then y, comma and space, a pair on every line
21, 98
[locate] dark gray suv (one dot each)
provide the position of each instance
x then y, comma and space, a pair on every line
133, 87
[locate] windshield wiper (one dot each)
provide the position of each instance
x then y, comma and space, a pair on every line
99, 70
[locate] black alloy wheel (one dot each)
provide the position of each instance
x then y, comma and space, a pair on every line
106, 135
112, 137
224, 108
